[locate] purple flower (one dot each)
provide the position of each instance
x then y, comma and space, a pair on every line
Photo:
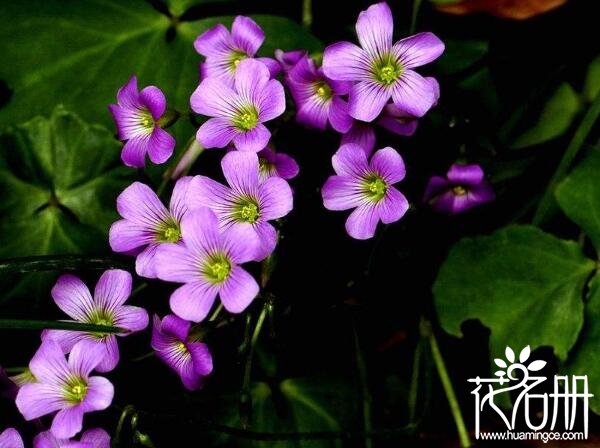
463, 188
208, 264
361, 134
278, 164
66, 387
318, 98
248, 204
287, 59
136, 116
239, 112
381, 69
105, 308
367, 187
92, 438
189, 358
11, 438
225, 50
147, 224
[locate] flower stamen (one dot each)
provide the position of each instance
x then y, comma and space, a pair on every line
246, 118
217, 268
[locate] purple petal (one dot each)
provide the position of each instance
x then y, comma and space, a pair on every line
313, 113
110, 357
97, 438
367, 99
134, 151
201, 357
271, 101
213, 98
193, 301
417, 50
238, 291
127, 96
175, 263
216, 133
37, 399
247, 35
161, 145
361, 134
396, 121
11, 438
253, 140
272, 65
65, 338
113, 289
241, 171
342, 193
67, 422
251, 77
146, 260
178, 204
73, 297
125, 235
153, 98
362, 222
140, 204
339, 117
350, 160
374, 29
434, 187
267, 240
465, 174
45, 440
205, 192
99, 396
345, 61
191, 379
413, 94
240, 241
286, 166
392, 207
176, 326
482, 193
275, 197
214, 41
48, 364
288, 59
200, 231
389, 165
131, 318
84, 357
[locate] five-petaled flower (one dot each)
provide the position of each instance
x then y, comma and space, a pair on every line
464, 187
92, 438
381, 69
239, 112
318, 98
136, 116
367, 187
225, 50
66, 387
147, 223
248, 204
209, 264
105, 308
173, 344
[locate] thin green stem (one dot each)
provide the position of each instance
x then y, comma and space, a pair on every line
547, 205
415, 13
307, 13
216, 313
18, 324
14, 370
364, 386
440, 365
414, 383
60, 263
127, 410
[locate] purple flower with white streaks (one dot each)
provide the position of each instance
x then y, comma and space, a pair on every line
105, 308
225, 50
136, 116
147, 223
11, 438
361, 134
66, 387
239, 112
464, 187
318, 98
189, 358
278, 164
209, 265
381, 69
287, 59
92, 438
248, 204
367, 187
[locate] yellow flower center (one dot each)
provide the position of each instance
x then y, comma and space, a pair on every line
323, 90
375, 188
246, 118
246, 210
168, 232
459, 190
75, 390
387, 70
217, 268
146, 120
235, 59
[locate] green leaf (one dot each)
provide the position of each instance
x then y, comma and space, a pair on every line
579, 196
61, 263
554, 119
460, 54
585, 358
523, 284
592, 80
19, 324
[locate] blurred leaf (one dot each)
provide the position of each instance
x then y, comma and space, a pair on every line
178, 7
506, 9
585, 358
460, 54
36, 325
592, 80
505, 279
554, 120
579, 196
59, 179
